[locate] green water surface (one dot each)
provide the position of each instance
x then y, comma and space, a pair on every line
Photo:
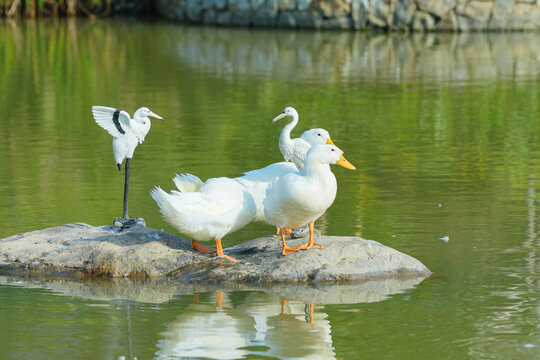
443, 129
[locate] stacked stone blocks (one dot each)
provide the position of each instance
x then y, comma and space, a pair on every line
397, 15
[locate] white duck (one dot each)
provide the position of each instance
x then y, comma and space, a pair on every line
299, 198
295, 150
258, 181
206, 211
127, 134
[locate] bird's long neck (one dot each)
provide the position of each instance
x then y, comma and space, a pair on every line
138, 118
285, 140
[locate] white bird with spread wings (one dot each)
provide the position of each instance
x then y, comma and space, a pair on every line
127, 134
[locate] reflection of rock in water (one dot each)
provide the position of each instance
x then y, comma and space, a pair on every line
365, 292
347, 57
257, 327
163, 290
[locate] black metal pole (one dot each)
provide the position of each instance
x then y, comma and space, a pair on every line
126, 189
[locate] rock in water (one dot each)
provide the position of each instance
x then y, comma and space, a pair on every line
78, 249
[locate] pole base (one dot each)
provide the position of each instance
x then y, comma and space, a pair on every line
129, 223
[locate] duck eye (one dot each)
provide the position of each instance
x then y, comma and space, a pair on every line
319, 134
332, 149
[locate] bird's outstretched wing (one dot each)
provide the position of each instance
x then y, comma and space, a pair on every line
115, 121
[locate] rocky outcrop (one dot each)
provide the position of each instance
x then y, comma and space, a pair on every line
400, 15
82, 250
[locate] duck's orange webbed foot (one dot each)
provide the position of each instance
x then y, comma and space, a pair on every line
286, 249
202, 248
220, 252
311, 243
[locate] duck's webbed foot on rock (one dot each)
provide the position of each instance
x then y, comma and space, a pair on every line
308, 246
286, 249
220, 252
202, 248
311, 243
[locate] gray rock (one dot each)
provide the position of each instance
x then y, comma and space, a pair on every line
209, 16
423, 21
255, 4
207, 4
403, 14
286, 19
333, 8
266, 14
360, 13
341, 23
379, 13
194, 11
223, 18
501, 14
308, 19
284, 5
302, 5
448, 22
437, 7
220, 4
240, 12
82, 250
171, 9
524, 17
473, 15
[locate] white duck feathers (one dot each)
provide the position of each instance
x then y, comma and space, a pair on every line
258, 181
217, 207
297, 198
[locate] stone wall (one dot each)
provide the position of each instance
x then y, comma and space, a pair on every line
401, 15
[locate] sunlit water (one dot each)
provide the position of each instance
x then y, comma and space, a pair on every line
443, 130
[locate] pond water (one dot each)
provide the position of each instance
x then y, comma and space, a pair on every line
443, 129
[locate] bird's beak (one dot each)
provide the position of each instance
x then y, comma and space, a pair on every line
329, 141
155, 115
345, 163
278, 117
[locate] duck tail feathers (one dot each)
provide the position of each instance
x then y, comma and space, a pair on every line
187, 182
164, 202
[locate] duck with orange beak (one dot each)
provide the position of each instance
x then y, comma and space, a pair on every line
297, 199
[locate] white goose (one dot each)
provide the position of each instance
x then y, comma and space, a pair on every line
206, 211
127, 134
299, 198
295, 150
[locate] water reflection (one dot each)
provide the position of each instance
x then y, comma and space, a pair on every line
262, 325
279, 321
157, 291
349, 57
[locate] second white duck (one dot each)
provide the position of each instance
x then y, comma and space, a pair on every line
299, 198
258, 181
